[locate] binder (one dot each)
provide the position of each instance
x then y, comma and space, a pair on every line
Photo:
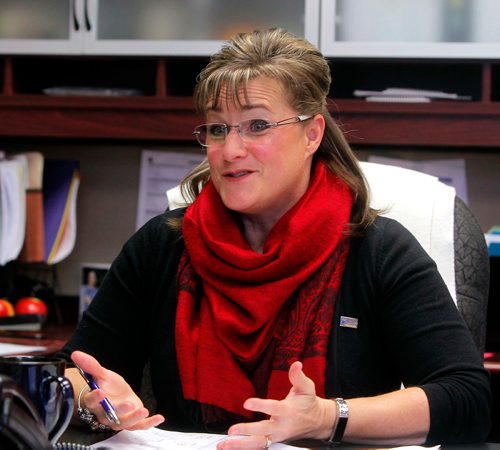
61, 180
12, 210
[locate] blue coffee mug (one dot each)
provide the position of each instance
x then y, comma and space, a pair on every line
42, 378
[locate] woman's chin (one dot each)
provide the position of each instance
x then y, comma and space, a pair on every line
237, 203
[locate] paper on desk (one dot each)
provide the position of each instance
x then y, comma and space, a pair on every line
16, 349
415, 447
154, 438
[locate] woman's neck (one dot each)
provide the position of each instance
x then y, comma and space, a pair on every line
256, 232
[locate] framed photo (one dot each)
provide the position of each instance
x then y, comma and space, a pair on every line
92, 275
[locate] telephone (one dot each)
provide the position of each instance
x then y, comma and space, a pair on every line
21, 427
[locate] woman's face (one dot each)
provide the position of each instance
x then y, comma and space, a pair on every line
263, 178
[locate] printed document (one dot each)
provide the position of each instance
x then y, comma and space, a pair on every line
155, 438
161, 171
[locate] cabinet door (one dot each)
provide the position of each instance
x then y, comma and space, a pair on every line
406, 28
190, 27
41, 26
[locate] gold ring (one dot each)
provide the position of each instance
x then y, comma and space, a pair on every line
269, 441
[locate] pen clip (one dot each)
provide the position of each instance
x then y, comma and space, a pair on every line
88, 378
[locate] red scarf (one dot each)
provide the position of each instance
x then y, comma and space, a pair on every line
243, 317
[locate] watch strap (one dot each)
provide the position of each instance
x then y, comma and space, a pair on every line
338, 431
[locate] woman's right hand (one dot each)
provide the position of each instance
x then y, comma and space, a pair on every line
128, 406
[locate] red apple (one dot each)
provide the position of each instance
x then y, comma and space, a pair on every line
6, 308
30, 305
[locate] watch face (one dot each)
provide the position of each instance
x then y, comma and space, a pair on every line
343, 409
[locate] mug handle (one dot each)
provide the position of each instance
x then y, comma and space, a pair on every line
66, 411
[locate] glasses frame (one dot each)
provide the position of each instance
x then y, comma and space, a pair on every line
270, 125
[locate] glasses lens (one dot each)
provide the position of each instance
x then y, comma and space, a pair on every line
254, 127
211, 133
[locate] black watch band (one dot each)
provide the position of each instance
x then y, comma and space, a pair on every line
338, 432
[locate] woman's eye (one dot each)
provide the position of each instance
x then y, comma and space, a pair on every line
217, 131
258, 125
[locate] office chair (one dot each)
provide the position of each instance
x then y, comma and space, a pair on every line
472, 272
446, 228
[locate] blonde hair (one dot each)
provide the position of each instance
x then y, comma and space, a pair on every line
305, 75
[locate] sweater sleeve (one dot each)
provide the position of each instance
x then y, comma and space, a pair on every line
115, 328
430, 341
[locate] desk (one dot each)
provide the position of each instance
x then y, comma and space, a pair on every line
53, 337
82, 435
492, 362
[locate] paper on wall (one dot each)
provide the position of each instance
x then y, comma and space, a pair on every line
161, 171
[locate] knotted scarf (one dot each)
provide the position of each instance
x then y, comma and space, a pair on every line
243, 317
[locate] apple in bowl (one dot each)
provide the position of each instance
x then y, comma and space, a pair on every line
31, 305
6, 308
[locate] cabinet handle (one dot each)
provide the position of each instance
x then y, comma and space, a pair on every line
88, 25
76, 23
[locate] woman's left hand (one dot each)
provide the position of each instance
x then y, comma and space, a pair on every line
301, 414
128, 406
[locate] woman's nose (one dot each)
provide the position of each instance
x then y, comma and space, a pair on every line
234, 147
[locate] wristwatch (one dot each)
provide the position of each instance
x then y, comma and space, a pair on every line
338, 431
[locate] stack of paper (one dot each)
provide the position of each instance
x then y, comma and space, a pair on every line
155, 438
404, 95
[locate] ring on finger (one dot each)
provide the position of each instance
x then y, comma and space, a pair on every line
269, 441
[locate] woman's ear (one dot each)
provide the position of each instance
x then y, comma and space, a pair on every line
315, 129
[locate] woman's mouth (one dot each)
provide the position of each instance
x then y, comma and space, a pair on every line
238, 174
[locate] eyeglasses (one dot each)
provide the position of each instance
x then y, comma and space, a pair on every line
252, 130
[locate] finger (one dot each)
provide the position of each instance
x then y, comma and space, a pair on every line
129, 420
301, 384
92, 399
266, 406
147, 423
88, 363
262, 428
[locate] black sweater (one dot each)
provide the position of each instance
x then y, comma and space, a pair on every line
409, 331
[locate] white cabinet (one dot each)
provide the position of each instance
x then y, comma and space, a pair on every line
41, 26
410, 29
342, 28
146, 27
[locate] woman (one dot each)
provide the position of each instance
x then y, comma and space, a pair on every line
278, 288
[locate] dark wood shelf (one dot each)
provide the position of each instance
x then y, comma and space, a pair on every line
449, 124
144, 118
166, 112
457, 124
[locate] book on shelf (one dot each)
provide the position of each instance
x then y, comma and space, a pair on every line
37, 208
33, 249
61, 180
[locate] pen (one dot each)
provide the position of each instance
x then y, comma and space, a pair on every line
106, 404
